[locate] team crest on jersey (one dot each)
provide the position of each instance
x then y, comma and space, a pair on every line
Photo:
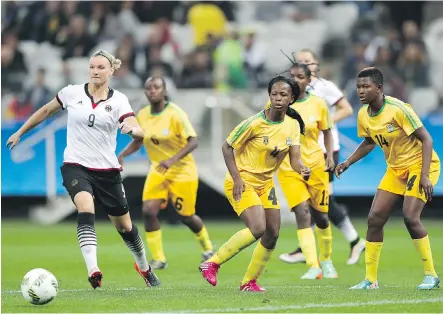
108, 108
266, 140
390, 128
289, 141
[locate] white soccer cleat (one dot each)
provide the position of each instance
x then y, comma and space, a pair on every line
293, 258
329, 271
313, 273
356, 252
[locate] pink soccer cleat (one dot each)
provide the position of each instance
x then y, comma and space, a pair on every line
209, 272
252, 286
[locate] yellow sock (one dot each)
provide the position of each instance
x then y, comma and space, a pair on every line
423, 247
324, 237
258, 263
203, 239
155, 244
372, 256
307, 244
235, 244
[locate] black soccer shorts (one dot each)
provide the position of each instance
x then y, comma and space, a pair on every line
106, 187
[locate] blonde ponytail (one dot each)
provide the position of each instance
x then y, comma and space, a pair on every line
115, 63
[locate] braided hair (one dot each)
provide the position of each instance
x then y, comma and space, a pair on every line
291, 112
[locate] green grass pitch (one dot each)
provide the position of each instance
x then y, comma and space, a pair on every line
26, 246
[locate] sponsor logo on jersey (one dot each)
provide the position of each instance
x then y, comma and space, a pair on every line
74, 182
266, 140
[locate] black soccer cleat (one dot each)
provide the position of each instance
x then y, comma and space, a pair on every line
96, 279
149, 277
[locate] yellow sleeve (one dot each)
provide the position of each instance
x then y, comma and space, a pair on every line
296, 138
268, 104
241, 134
361, 128
325, 122
183, 125
407, 119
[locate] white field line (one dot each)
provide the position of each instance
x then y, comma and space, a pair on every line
316, 306
187, 287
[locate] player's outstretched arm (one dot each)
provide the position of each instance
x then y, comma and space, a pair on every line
131, 127
365, 147
239, 185
427, 144
131, 148
344, 110
296, 162
38, 117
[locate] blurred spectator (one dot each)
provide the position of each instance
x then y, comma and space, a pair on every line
254, 55
229, 64
18, 60
411, 32
395, 44
151, 11
206, 18
352, 62
127, 51
154, 60
13, 75
37, 95
125, 21
78, 43
51, 23
393, 84
97, 20
306, 10
125, 78
413, 66
197, 72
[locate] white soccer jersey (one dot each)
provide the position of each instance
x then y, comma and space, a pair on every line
331, 94
92, 127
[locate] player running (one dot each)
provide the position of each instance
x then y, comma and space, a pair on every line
261, 143
413, 168
169, 140
301, 194
91, 171
340, 109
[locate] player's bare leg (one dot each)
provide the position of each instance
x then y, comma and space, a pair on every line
324, 237
262, 252
196, 225
412, 209
87, 238
379, 214
255, 221
151, 209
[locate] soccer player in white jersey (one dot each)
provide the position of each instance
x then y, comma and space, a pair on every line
91, 171
340, 109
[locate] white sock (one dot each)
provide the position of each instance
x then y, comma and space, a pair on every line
135, 243
348, 230
87, 240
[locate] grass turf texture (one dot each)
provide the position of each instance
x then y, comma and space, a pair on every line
55, 248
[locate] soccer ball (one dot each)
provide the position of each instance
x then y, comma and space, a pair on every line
39, 286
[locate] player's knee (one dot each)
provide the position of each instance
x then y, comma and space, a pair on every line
321, 219
187, 220
375, 221
84, 202
258, 229
411, 220
303, 216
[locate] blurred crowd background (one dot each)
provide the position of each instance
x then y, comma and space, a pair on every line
220, 45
